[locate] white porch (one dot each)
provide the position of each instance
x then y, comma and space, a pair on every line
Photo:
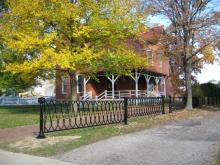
154, 86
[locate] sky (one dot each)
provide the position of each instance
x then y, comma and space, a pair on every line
209, 71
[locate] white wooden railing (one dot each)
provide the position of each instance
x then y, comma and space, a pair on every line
14, 100
119, 94
101, 96
87, 96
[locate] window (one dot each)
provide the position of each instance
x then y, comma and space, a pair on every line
161, 54
73, 1
64, 85
149, 54
161, 64
79, 84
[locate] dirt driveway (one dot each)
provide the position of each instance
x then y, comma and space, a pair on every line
18, 133
193, 141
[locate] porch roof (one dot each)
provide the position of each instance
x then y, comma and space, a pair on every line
145, 70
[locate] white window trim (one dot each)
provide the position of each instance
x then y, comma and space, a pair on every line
161, 54
62, 85
77, 84
150, 59
161, 64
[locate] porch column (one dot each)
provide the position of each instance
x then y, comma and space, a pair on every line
164, 87
113, 79
85, 80
147, 78
77, 81
136, 78
157, 79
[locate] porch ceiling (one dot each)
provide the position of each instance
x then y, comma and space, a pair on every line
142, 71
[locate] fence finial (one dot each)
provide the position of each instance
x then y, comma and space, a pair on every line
41, 100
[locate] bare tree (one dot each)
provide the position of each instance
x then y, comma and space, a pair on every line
193, 32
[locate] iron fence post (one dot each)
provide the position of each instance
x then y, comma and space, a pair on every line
41, 134
163, 106
200, 101
125, 111
170, 106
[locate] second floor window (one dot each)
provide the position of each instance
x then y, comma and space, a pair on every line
149, 54
161, 54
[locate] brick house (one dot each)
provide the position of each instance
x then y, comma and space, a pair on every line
152, 81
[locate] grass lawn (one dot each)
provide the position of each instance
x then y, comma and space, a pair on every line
13, 116
59, 142
218, 161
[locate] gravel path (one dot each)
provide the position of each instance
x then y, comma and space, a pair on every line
190, 142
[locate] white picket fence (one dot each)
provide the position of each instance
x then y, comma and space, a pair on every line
13, 100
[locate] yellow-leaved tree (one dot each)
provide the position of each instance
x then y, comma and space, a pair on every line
71, 36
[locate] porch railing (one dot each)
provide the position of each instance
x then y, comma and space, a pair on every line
119, 94
13, 100
87, 96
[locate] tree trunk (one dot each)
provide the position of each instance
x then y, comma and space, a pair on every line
188, 72
188, 67
73, 87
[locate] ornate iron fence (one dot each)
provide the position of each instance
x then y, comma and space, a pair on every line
64, 115
145, 106
210, 100
176, 103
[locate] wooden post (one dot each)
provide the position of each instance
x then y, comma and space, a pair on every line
157, 82
113, 79
84, 86
113, 87
137, 76
105, 94
164, 88
147, 78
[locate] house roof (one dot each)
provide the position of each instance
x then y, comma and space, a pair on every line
151, 39
152, 34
